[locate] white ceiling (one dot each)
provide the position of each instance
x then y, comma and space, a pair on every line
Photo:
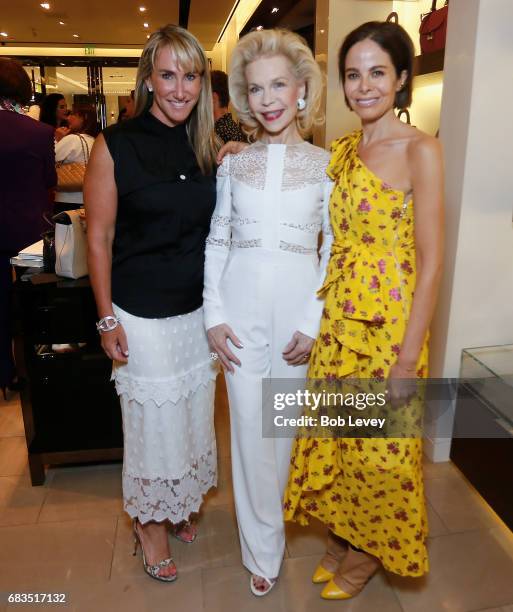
106, 22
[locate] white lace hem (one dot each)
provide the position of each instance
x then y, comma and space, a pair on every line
162, 390
174, 500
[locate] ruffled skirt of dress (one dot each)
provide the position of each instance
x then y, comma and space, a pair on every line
167, 401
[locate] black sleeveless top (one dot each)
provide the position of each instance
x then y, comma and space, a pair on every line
163, 218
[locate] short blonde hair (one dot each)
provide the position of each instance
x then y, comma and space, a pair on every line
270, 43
191, 57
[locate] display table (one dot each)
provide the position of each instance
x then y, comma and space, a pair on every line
482, 445
71, 412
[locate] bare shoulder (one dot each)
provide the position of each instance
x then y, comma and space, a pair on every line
423, 148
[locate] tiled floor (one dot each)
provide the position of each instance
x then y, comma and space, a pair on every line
71, 536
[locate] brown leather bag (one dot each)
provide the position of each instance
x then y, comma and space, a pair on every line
70, 177
433, 28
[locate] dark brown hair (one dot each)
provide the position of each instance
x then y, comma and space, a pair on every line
49, 106
393, 39
220, 86
14, 81
90, 125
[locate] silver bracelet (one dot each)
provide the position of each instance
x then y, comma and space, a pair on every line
107, 324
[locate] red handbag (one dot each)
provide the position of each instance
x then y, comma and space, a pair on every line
433, 29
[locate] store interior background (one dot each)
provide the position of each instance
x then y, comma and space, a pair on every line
469, 101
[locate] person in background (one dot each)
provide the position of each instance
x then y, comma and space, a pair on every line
54, 112
27, 173
149, 197
130, 106
75, 147
225, 127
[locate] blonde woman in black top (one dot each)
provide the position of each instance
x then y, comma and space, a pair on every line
149, 196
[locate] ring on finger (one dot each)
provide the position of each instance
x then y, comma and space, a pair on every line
214, 356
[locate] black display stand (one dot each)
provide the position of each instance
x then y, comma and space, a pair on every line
486, 460
70, 408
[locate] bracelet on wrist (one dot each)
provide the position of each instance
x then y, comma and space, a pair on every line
107, 324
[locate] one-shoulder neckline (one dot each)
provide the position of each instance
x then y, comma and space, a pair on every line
384, 184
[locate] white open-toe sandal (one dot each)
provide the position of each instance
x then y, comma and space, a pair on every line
270, 583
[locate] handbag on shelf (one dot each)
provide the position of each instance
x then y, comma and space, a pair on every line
70, 177
70, 245
433, 28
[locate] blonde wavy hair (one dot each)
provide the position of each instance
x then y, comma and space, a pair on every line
270, 43
191, 58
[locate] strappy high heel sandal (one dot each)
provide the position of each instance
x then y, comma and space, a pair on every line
356, 569
336, 550
189, 529
153, 570
269, 581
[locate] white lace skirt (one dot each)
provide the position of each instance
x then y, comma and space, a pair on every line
167, 401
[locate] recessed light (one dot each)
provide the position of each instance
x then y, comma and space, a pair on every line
61, 23
260, 27
321, 31
275, 10
146, 25
142, 9
4, 34
45, 5
76, 36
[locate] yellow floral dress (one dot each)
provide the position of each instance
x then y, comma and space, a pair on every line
368, 491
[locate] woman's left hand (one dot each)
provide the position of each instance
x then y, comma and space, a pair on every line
297, 351
401, 384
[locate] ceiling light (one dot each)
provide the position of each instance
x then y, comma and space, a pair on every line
260, 27
4, 34
275, 10
146, 25
45, 5
142, 9
61, 23
321, 31
147, 35
76, 36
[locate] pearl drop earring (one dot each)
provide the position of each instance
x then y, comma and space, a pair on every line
301, 104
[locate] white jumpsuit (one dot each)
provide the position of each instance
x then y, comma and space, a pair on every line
262, 271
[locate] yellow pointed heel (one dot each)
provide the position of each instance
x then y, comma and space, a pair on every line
321, 575
332, 591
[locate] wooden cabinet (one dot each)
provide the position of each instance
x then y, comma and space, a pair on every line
70, 408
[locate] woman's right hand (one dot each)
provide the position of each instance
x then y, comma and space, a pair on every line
61, 132
232, 147
115, 344
217, 339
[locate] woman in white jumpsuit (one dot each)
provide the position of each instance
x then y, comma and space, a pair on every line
262, 271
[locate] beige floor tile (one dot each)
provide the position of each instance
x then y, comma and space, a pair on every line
83, 492
301, 595
458, 504
132, 594
436, 525
13, 456
227, 590
20, 502
11, 419
309, 540
56, 555
469, 571
443, 469
504, 537
216, 519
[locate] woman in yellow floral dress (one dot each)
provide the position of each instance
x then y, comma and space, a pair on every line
380, 293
